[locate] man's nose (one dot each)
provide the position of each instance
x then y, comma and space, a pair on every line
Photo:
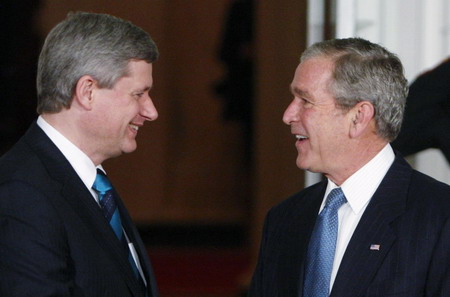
148, 109
291, 113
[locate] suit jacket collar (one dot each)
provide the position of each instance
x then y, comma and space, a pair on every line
360, 261
79, 197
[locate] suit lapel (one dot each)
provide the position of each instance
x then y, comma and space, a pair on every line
81, 201
362, 257
139, 246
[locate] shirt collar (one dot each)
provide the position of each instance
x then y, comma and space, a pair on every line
360, 187
81, 163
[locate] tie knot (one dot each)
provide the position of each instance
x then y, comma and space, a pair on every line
335, 199
101, 183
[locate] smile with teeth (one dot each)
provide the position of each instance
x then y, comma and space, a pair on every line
134, 127
300, 137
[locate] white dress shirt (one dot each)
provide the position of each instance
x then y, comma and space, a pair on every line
84, 167
358, 189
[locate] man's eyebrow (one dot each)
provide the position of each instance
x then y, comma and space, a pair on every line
144, 89
297, 91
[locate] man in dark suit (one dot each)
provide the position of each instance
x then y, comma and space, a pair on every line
375, 226
63, 230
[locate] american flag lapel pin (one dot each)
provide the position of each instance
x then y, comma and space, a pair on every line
374, 247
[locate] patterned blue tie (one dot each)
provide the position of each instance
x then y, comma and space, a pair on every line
108, 204
320, 257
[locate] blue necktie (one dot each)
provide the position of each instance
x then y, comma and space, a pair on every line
322, 247
108, 204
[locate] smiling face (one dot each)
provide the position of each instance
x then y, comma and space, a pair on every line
321, 129
118, 113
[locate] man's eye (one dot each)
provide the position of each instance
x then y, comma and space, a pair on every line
306, 102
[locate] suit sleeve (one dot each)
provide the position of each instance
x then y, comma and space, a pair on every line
438, 282
34, 255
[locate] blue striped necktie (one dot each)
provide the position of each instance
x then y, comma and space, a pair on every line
108, 204
322, 247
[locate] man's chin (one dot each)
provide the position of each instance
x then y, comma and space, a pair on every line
129, 146
128, 150
301, 164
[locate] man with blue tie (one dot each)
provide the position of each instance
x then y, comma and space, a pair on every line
374, 227
64, 230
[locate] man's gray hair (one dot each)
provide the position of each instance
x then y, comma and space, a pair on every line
364, 71
92, 44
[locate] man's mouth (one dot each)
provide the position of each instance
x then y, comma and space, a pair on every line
134, 127
300, 137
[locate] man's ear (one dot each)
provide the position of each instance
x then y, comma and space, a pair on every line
362, 115
84, 91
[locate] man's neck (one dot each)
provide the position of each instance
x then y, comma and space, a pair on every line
356, 161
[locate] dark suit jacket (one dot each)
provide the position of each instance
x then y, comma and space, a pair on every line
54, 240
408, 216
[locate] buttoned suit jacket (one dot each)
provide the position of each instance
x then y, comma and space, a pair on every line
54, 239
400, 247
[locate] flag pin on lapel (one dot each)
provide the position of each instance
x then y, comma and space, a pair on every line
374, 247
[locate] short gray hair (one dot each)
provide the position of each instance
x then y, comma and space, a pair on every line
93, 44
364, 71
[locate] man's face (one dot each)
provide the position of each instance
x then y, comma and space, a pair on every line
120, 112
320, 128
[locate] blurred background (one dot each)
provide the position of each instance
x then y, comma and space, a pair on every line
218, 157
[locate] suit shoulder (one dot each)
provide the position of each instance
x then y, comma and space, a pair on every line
429, 184
20, 164
307, 195
420, 180
430, 192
